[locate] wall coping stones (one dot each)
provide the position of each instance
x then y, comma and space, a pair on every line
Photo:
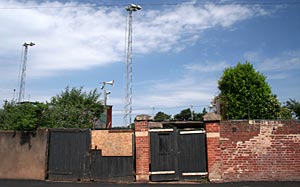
211, 116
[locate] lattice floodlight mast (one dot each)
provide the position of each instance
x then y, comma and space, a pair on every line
23, 71
128, 87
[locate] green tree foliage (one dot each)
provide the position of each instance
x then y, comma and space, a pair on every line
285, 113
186, 115
161, 116
245, 94
73, 108
294, 106
21, 117
199, 116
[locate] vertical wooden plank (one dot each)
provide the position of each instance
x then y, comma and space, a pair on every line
112, 168
163, 146
192, 156
68, 154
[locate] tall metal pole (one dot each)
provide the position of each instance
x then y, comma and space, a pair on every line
23, 74
128, 87
104, 94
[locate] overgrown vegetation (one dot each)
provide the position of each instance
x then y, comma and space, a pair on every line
21, 116
294, 106
73, 108
184, 115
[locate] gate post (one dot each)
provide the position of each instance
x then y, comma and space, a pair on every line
212, 127
142, 145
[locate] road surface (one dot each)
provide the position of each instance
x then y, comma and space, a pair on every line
30, 183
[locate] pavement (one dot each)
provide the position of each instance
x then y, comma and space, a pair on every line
31, 183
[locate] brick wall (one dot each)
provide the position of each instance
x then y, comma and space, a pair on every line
259, 150
142, 150
213, 150
239, 150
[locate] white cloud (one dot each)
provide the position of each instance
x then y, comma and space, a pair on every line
184, 91
173, 98
207, 67
277, 76
80, 37
287, 60
174, 29
66, 39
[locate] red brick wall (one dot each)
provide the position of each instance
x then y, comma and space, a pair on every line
142, 150
213, 150
239, 150
260, 150
109, 117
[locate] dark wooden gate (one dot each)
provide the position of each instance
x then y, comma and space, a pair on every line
177, 154
71, 159
192, 154
68, 154
111, 168
164, 160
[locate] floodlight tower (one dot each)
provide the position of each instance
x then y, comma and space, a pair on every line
23, 71
128, 87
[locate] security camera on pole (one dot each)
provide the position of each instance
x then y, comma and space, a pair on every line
107, 108
105, 93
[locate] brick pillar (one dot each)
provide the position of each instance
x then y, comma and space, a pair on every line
142, 146
212, 127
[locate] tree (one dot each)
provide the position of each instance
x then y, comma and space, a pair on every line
199, 116
21, 116
73, 108
161, 116
294, 106
285, 113
184, 115
245, 94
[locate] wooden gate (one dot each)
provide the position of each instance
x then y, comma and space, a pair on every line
111, 168
177, 154
70, 158
164, 159
68, 154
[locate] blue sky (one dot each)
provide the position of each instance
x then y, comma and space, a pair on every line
180, 49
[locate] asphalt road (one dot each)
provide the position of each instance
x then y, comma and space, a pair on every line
28, 183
